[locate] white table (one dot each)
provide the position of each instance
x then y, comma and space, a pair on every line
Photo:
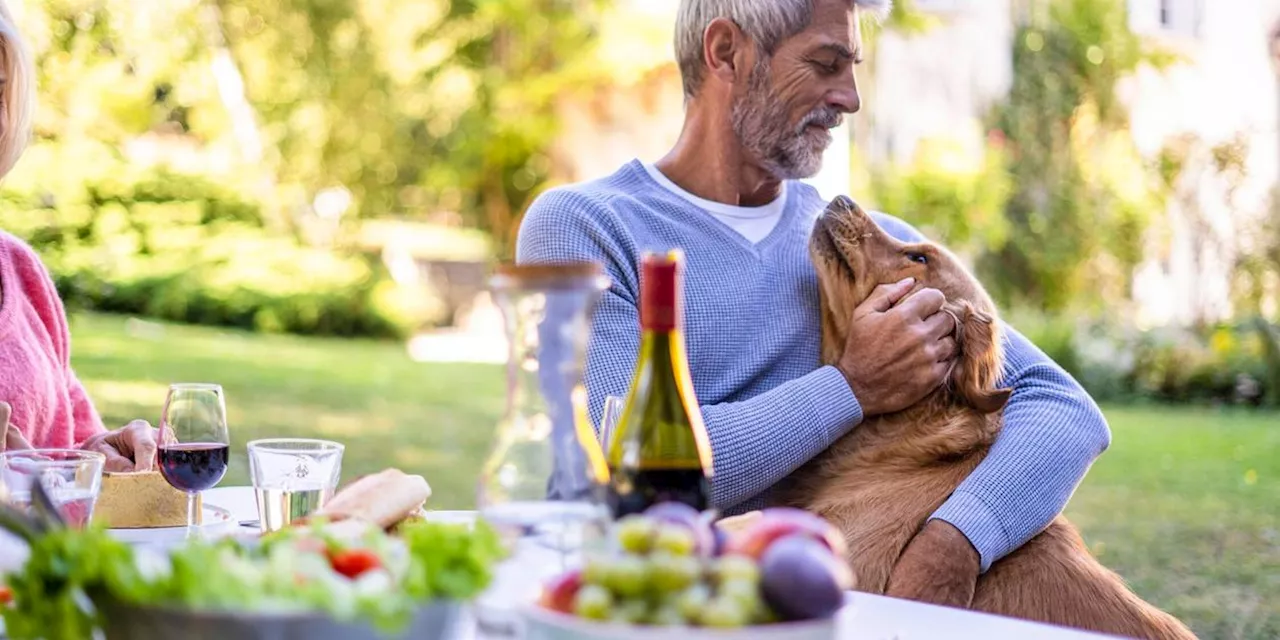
868, 617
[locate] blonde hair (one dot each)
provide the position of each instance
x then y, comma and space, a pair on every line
17, 98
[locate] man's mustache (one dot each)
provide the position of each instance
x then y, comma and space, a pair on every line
826, 118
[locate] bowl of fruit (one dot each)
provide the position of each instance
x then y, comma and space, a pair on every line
781, 574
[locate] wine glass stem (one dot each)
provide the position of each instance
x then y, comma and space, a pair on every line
192, 530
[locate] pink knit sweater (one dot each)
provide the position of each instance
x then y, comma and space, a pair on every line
50, 406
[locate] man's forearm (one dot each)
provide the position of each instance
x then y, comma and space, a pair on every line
754, 442
1052, 433
758, 442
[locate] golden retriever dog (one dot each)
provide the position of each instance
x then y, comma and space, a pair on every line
880, 483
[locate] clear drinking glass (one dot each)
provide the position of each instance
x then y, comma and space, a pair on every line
613, 407
71, 477
194, 444
292, 478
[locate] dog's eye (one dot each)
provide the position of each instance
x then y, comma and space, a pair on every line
917, 257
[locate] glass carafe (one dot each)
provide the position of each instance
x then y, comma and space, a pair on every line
542, 486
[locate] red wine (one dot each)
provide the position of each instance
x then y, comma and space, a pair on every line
194, 466
633, 491
660, 451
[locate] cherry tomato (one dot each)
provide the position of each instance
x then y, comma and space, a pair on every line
353, 562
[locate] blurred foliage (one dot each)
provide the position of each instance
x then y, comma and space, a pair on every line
183, 146
949, 195
1230, 363
1082, 195
414, 106
184, 248
1258, 263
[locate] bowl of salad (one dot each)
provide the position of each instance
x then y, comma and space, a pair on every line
327, 579
779, 574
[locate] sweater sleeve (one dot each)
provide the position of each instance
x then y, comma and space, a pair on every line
1052, 433
38, 286
755, 442
87, 420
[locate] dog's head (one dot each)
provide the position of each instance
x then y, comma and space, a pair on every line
853, 256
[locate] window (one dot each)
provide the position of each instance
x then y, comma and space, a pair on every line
1177, 18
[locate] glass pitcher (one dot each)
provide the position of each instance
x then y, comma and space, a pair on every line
543, 485
545, 475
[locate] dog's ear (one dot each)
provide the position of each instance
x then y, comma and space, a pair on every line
977, 368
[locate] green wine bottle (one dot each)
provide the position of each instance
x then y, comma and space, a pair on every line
660, 451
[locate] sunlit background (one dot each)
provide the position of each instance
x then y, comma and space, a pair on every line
301, 199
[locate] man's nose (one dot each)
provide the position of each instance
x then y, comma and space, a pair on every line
845, 98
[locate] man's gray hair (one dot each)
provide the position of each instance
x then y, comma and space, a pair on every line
767, 22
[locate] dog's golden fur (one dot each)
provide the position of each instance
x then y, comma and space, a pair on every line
880, 483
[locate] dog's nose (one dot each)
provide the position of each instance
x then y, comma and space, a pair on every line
840, 205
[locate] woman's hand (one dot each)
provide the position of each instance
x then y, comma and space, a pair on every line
129, 448
10, 439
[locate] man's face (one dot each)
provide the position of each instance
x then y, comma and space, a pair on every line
795, 97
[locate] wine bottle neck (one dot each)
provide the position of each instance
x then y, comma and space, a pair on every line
660, 297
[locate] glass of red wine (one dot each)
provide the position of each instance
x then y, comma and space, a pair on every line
194, 444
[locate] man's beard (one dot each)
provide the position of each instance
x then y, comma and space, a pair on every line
760, 122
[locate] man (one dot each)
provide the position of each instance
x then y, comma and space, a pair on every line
765, 81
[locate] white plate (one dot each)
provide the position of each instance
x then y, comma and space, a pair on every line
215, 521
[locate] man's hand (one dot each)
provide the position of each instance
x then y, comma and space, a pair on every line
939, 566
896, 353
129, 448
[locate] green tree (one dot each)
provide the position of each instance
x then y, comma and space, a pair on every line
416, 107
1082, 195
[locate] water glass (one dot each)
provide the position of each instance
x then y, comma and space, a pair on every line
72, 478
292, 478
613, 407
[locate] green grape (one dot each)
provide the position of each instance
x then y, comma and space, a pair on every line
671, 573
631, 612
596, 570
691, 601
675, 539
627, 576
747, 594
635, 533
668, 615
593, 602
736, 569
724, 613
766, 615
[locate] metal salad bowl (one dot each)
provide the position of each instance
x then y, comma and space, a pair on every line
128, 622
132, 621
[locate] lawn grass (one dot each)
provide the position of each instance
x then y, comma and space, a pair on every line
1185, 505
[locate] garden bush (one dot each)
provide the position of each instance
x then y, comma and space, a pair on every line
184, 248
1234, 363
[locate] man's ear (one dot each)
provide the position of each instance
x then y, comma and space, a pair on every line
977, 369
726, 51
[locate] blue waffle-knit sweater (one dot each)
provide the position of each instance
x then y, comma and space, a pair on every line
751, 321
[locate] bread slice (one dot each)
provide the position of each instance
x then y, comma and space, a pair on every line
739, 523
141, 500
384, 498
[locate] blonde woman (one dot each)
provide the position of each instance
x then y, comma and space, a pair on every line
44, 404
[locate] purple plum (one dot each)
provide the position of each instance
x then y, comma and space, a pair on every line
802, 579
